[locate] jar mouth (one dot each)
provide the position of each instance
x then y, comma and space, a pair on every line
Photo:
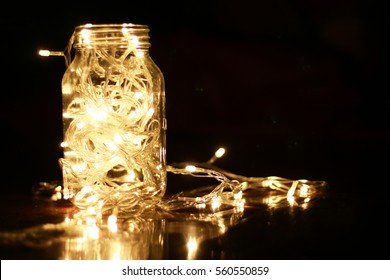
112, 34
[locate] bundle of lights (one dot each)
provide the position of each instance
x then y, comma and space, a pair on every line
232, 189
112, 118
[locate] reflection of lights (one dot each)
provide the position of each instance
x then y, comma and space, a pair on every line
105, 241
212, 209
192, 247
92, 232
115, 251
112, 223
222, 228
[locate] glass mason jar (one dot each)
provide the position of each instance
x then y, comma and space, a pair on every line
113, 95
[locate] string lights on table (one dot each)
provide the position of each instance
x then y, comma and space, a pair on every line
99, 194
198, 214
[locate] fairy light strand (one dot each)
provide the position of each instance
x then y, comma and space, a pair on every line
86, 227
112, 126
231, 187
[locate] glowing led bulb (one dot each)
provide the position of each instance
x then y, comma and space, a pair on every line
190, 168
50, 53
44, 53
112, 223
220, 152
238, 195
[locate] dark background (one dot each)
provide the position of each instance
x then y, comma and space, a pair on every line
297, 89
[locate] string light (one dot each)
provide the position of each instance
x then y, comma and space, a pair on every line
50, 53
231, 189
114, 156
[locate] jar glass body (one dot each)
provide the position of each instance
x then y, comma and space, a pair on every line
114, 122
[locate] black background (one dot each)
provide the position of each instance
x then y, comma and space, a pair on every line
297, 89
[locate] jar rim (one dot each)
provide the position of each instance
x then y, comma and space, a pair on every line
129, 25
112, 34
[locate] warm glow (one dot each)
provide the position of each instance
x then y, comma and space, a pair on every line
291, 192
137, 141
112, 119
238, 195
291, 200
86, 34
56, 196
91, 199
201, 205
304, 190
191, 168
118, 138
44, 53
117, 118
111, 146
112, 223
98, 115
93, 232
192, 247
81, 125
220, 152
66, 193
130, 176
50, 53
292, 189
239, 204
139, 95
79, 167
92, 211
216, 203
150, 113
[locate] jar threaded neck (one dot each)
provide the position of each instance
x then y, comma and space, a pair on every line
92, 35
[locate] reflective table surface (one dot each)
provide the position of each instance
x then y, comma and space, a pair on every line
331, 226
